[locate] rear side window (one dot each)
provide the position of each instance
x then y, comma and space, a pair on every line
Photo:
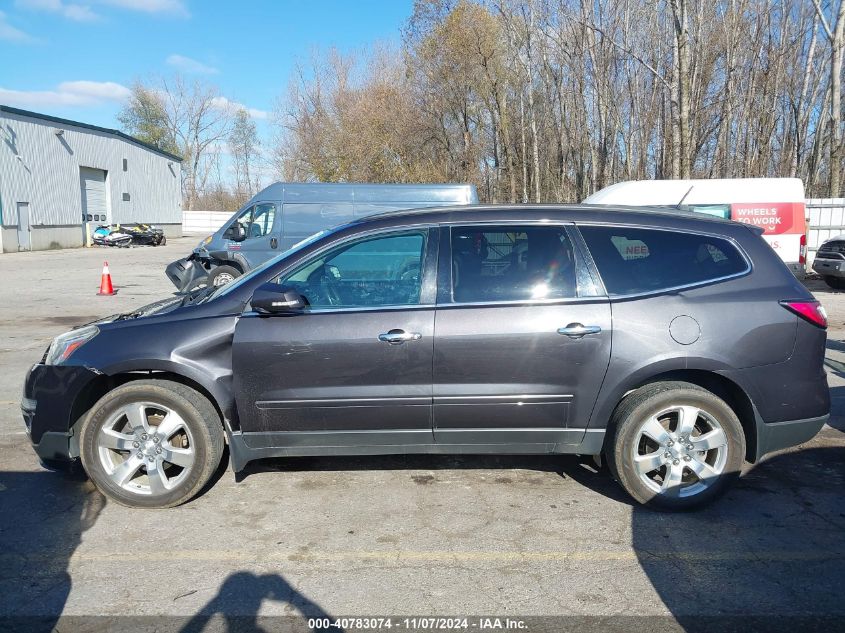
511, 263
635, 260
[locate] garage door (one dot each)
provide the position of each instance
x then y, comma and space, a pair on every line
94, 205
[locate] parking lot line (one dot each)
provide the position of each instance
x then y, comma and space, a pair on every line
403, 556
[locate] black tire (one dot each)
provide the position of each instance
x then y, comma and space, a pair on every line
200, 419
214, 277
837, 283
624, 440
163, 241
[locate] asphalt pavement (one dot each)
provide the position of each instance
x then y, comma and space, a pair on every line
542, 543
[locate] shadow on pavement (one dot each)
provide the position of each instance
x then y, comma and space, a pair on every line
43, 517
768, 556
239, 601
833, 344
560, 464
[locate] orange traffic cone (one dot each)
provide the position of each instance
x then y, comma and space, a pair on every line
105, 283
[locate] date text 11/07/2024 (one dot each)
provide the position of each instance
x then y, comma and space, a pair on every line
418, 623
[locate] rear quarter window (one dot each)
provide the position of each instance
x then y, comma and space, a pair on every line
636, 260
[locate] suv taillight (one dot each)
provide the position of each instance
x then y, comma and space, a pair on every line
811, 311
802, 250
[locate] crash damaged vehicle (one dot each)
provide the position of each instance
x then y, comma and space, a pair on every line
283, 214
673, 346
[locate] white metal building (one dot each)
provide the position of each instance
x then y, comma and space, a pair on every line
56, 176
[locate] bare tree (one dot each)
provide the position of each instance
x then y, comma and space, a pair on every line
195, 116
244, 150
551, 99
835, 31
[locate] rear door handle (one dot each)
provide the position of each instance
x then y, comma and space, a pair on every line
397, 337
577, 330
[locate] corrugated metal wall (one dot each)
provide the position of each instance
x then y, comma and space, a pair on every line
42, 168
827, 218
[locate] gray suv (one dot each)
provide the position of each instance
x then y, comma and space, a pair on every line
674, 345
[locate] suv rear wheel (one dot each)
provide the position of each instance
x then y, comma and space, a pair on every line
151, 443
675, 445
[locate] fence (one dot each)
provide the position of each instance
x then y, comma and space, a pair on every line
827, 219
203, 221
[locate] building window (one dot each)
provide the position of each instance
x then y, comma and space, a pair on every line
126, 197
125, 166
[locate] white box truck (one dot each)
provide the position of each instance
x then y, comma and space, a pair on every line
776, 205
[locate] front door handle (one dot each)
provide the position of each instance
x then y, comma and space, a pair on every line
397, 337
577, 330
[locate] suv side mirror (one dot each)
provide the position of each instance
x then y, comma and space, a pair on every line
271, 298
236, 233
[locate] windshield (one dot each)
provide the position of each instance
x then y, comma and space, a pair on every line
229, 287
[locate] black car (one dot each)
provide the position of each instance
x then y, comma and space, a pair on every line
674, 345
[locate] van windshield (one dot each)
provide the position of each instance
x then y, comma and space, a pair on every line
229, 287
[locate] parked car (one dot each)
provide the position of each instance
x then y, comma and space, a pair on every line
673, 345
283, 214
776, 205
830, 262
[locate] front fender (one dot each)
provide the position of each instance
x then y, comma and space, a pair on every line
197, 349
231, 257
218, 385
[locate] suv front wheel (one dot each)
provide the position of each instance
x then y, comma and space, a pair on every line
151, 443
675, 445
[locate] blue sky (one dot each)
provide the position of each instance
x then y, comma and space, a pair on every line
75, 58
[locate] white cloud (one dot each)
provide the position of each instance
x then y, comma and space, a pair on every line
67, 93
98, 90
224, 103
72, 11
10, 33
82, 12
171, 7
188, 65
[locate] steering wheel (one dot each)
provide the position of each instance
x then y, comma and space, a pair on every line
326, 281
411, 272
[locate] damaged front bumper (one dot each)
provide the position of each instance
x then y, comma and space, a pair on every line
48, 408
187, 273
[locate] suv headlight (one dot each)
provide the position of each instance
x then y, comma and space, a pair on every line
66, 344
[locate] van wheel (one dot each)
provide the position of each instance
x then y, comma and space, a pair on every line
837, 283
222, 275
675, 446
151, 443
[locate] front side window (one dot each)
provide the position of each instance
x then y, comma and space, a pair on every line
244, 219
373, 272
511, 263
257, 220
263, 218
635, 260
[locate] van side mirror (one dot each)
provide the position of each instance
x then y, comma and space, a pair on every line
236, 233
271, 298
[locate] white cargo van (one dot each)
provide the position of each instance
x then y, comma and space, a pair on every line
776, 205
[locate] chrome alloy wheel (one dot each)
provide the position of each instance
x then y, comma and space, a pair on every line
146, 448
680, 451
222, 279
